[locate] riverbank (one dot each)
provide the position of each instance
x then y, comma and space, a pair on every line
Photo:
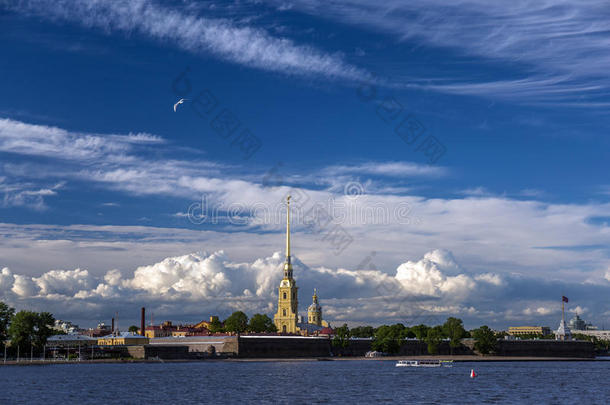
457, 359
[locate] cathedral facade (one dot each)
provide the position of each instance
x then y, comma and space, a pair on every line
286, 318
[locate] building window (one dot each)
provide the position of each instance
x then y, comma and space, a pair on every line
284, 312
284, 295
284, 327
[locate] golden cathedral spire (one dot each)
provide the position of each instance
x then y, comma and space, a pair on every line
288, 264
286, 317
288, 229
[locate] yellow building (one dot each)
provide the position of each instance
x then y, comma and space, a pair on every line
286, 317
529, 330
206, 324
156, 331
122, 339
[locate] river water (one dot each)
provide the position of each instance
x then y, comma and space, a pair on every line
337, 382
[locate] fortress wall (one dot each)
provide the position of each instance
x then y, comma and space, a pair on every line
294, 346
356, 348
163, 352
283, 346
417, 348
545, 348
200, 344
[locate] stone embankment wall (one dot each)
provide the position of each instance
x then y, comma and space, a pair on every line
198, 345
545, 348
295, 346
160, 352
286, 346
283, 346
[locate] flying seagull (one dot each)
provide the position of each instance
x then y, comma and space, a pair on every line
182, 100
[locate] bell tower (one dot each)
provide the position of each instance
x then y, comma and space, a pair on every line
288, 304
314, 312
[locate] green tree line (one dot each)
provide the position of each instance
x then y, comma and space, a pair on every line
238, 322
25, 330
389, 338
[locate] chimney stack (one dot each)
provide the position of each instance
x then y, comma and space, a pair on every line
112, 327
142, 322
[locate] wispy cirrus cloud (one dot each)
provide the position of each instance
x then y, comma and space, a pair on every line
114, 160
26, 194
556, 50
118, 162
390, 169
53, 142
244, 45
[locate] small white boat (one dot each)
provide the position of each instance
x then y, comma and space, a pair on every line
424, 363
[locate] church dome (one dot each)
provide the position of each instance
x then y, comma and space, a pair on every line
315, 307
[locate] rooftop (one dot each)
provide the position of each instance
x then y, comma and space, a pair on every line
65, 338
122, 335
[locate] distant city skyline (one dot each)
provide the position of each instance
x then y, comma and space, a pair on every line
438, 167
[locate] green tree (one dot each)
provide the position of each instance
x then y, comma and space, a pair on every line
237, 322
453, 328
386, 345
6, 314
133, 329
342, 335
381, 340
408, 333
261, 323
433, 339
29, 329
398, 331
420, 331
388, 339
363, 331
44, 329
216, 326
485, 340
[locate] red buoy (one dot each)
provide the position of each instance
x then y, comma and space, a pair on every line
472, 374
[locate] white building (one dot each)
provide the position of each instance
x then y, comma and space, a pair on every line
65, 326
600, 334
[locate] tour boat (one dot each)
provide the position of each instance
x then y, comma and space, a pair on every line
424, 363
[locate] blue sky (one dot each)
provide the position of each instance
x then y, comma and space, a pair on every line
98, 172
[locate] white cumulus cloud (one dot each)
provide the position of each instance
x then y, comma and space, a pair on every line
63, 282
428, 276
539, 311
24, 286
199, 284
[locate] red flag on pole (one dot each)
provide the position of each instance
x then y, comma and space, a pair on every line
564, 298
